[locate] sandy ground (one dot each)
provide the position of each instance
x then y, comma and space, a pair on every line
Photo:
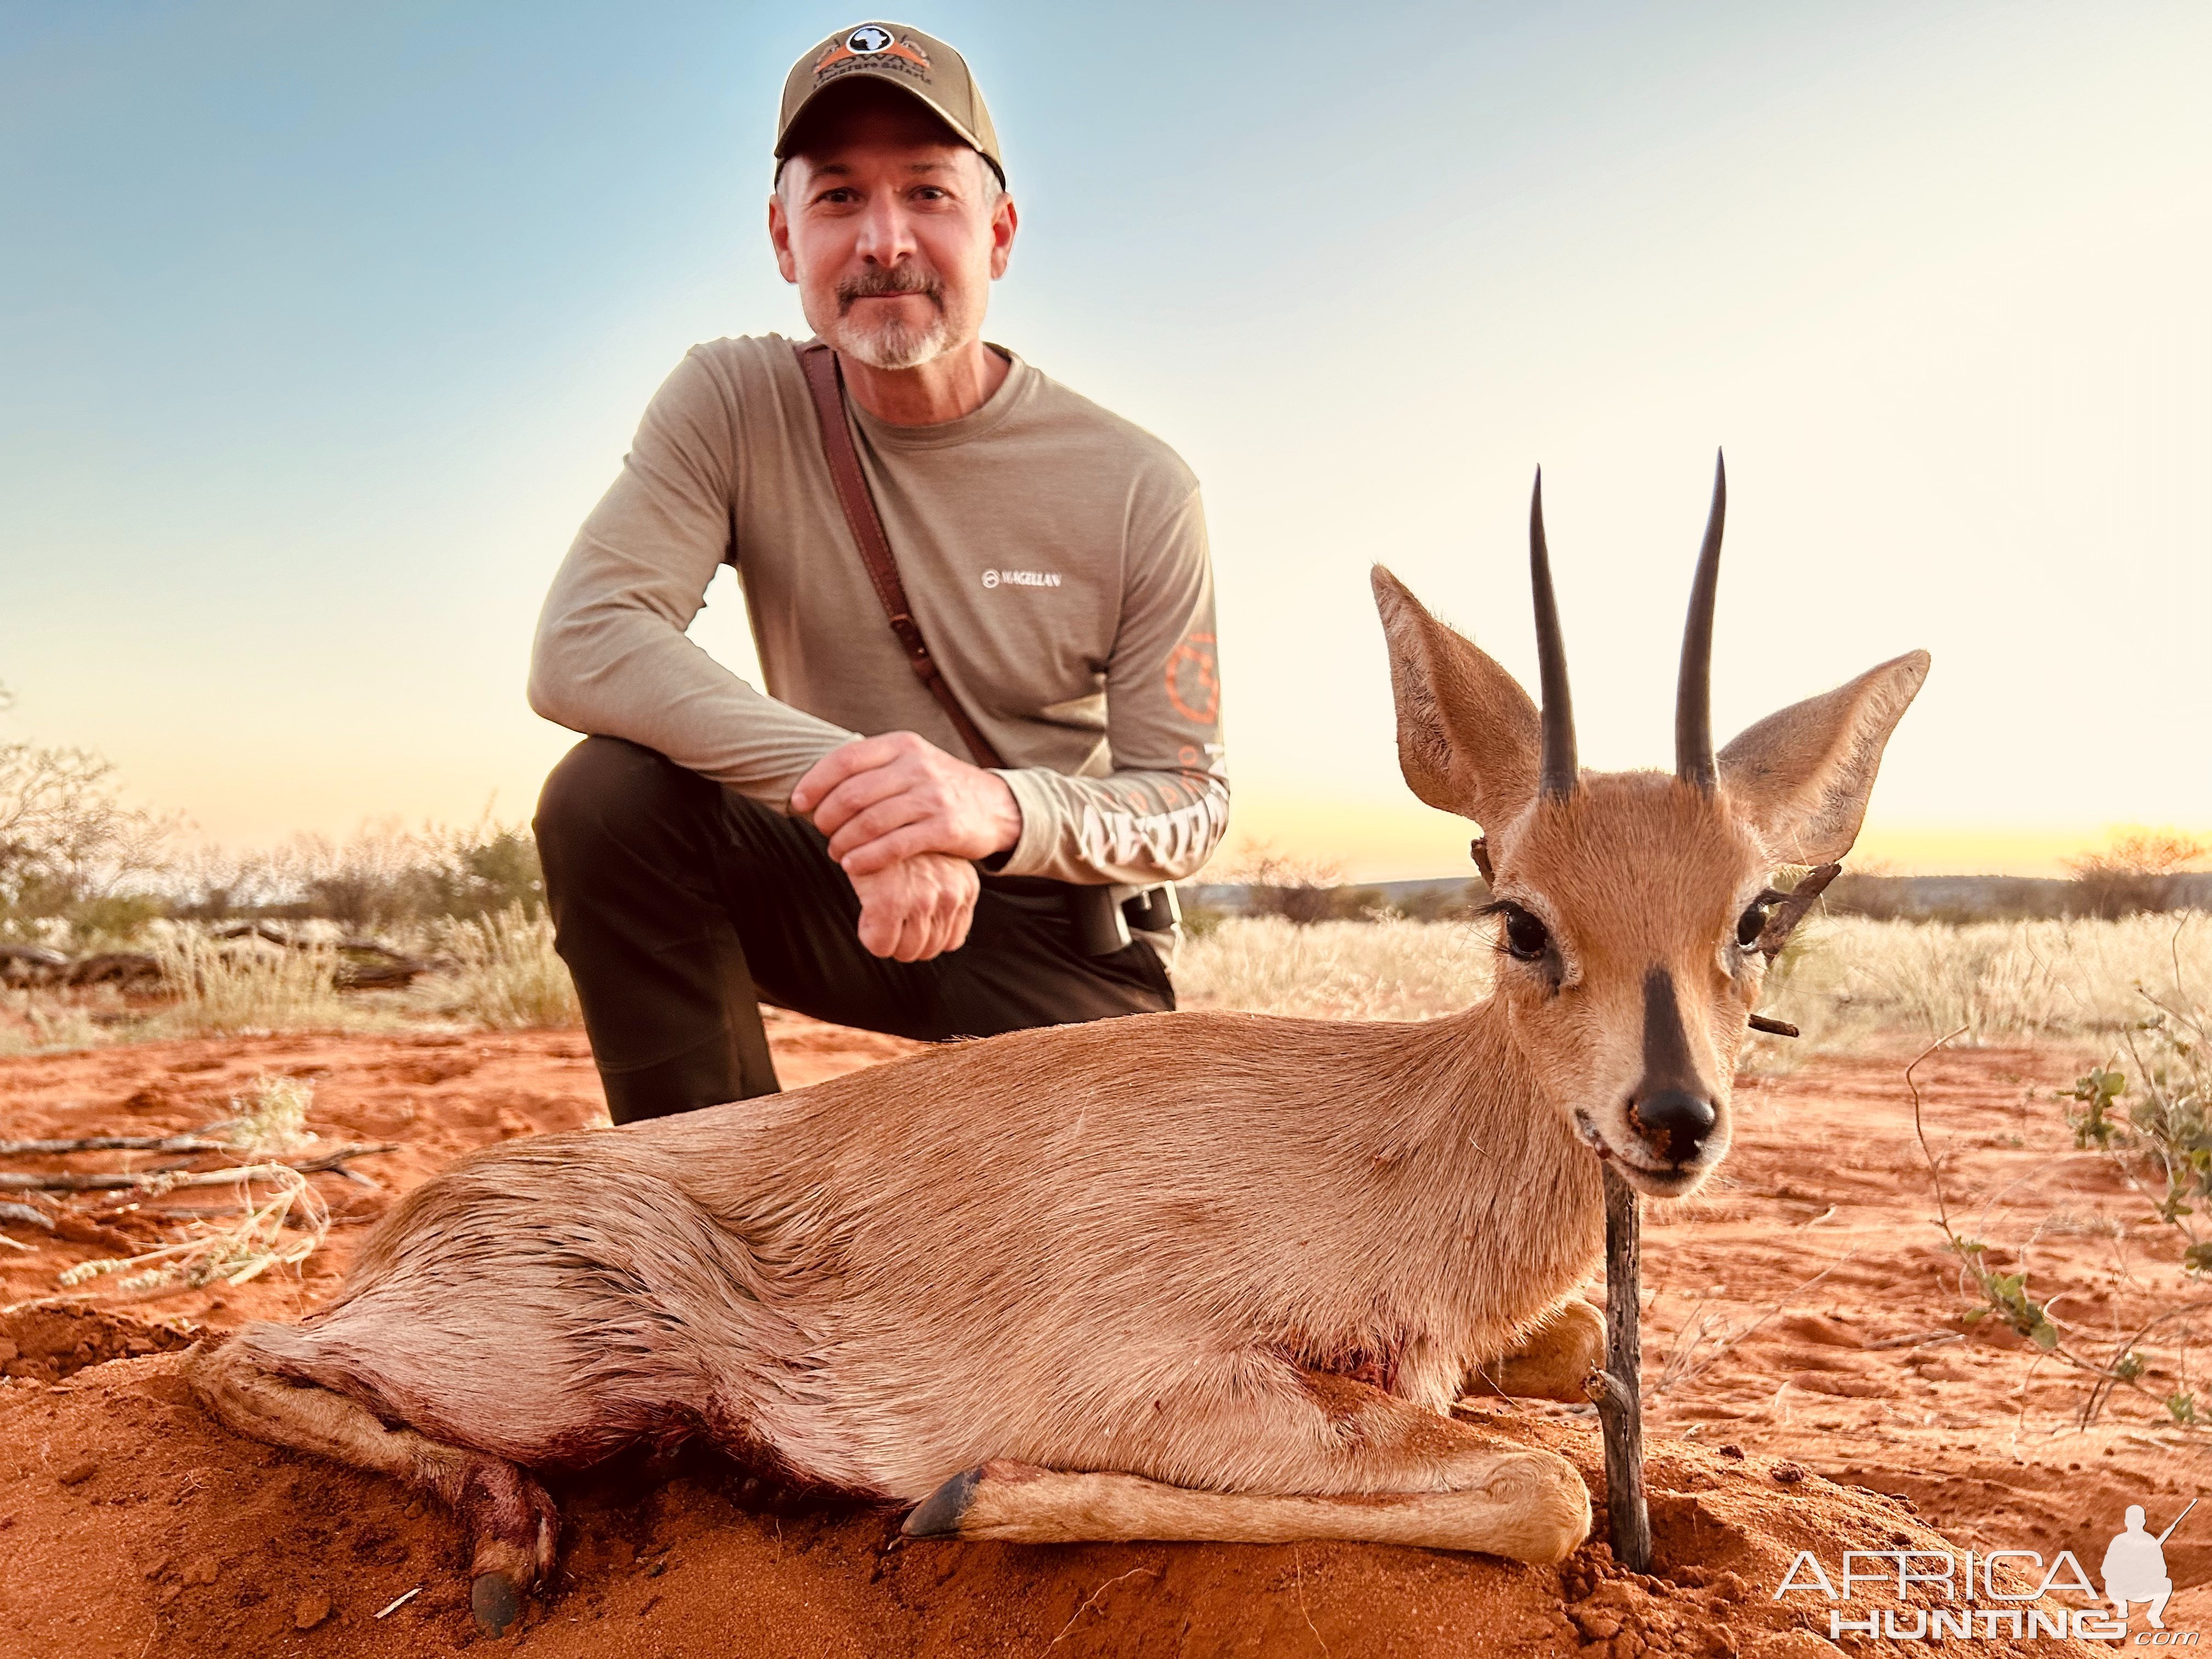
1814, 1387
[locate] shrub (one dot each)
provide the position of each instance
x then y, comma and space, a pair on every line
2135, 871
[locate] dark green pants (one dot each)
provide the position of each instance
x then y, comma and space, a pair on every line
679, 906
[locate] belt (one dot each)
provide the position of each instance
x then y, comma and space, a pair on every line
1104, 918
1103, 922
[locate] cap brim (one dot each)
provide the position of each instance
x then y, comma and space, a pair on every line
883, 77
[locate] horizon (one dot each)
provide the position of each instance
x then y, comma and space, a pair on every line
326, 330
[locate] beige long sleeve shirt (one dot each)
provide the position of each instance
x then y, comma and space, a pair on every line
1055, 556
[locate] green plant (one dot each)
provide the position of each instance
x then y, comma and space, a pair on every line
2096, 1091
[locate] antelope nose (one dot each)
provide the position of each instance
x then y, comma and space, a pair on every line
1673, 1123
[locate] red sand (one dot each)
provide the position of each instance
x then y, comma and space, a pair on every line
130, 1525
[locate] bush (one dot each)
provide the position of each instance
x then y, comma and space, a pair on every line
2136, 871
71, 852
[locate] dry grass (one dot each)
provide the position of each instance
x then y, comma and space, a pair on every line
505, 976
226, 988
1997, 980
1389, 970
1844, 979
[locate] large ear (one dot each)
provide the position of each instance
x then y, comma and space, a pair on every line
1469, 740
1802, 776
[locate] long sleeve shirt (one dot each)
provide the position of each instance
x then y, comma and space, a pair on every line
1054, 555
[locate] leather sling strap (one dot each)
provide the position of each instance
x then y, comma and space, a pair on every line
827, 382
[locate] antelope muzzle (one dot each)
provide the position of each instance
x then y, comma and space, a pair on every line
1670, 1109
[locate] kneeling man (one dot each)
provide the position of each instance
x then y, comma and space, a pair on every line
985, 618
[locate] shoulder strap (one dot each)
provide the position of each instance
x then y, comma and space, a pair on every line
827, 382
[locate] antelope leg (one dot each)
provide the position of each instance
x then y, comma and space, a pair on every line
1525, 1505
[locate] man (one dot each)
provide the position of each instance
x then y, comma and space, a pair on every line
839, 846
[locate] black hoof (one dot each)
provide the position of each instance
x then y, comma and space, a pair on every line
938, 1516
494, 1602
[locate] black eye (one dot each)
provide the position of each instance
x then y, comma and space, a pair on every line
1751, 925
1526, 939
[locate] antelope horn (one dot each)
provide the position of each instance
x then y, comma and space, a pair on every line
1693, 692
1561, 768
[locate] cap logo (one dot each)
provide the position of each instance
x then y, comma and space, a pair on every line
871, 40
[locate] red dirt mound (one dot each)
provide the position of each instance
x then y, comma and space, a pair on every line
1803, 1310
174, 1537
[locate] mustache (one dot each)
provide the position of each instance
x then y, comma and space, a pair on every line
877, 284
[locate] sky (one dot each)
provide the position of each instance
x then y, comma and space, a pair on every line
322, 327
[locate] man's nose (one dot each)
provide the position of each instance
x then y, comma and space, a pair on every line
885, 237
1670, 1108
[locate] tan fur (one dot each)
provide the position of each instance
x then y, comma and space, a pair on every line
1552, 1361
1220, 1274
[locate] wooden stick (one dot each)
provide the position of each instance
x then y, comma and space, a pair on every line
184, 1143
1785, 915
168, 1181
1618, 1389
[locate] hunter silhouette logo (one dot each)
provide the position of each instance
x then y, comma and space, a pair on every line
871, 40
2134, 1566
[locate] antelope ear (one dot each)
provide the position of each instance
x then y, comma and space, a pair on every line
1802, 776
1469, 740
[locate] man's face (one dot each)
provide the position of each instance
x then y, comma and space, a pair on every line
892, 228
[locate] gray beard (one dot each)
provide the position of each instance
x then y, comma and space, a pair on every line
893, 345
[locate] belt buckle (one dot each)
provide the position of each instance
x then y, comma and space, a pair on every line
1156, 910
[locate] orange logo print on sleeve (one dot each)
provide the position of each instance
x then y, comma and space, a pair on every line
1194, 682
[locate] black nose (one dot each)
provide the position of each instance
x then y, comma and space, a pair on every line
1673, 1123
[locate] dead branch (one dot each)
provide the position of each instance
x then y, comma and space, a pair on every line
1619, 1403
165, 1180
184, 1143
1785, 917
27, 1215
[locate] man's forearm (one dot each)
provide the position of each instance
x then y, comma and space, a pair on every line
609, 670
1135, 828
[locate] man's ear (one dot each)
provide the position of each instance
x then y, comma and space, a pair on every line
1802, 776
1469, 737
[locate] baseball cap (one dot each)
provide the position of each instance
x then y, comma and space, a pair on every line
917, 64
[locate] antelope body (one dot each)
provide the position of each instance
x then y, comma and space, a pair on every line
1190, 1275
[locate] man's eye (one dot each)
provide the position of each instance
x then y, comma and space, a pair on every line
1526, 938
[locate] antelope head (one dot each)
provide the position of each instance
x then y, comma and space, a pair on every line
1635, 910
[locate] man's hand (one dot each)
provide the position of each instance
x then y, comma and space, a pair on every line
917, 908
887, 798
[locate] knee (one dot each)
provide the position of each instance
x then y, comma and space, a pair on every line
605, 790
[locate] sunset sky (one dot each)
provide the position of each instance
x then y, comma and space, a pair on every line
322, 326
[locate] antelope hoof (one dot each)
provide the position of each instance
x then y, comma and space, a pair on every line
939, 1515
496, 1602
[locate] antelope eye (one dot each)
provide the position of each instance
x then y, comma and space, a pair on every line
1526, 938
1751, 924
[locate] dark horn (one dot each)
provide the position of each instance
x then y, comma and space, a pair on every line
1561, 768
1693, 692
